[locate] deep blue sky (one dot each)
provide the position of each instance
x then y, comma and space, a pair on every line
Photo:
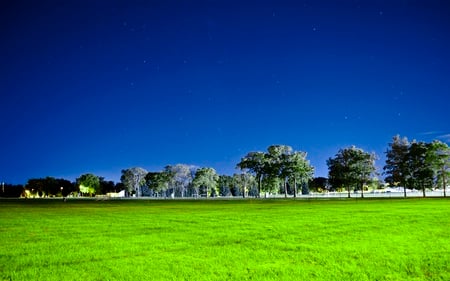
99, 86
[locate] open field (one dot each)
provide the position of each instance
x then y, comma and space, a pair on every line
390, 239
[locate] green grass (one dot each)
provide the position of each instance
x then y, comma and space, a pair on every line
225, 240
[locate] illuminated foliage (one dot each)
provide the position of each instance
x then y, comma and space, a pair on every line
88, 184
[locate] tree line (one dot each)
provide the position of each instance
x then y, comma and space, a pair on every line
417, 165
279, 170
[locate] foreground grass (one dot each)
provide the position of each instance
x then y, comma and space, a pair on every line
225, 240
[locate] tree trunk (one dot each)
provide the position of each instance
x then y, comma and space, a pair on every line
444, 181
348, 189
295, 188
362, 189
259, 185
423, 189
404, 190
285, 188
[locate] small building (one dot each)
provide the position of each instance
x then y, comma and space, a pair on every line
119, 194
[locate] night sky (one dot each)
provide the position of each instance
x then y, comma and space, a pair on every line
100, 86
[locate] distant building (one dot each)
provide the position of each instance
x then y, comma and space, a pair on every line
116, 194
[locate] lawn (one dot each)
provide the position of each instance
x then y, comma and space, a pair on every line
388, 239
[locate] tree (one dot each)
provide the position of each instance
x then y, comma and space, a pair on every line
286, 164
206, 178
396, 167
36, 187
244, 183
106, 186
180, 178
88, 183
49, 186
272, 185
225, 183
157, 182
11, 190
351, 167
119, 186
277, 163
133, 180
365, 168
298, 169
318, 184
255, 163
438, 157
419, 166
65, 186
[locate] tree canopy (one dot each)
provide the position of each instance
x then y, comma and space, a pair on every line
417, 165
88, 183
133, 180
206, 178
352, 167
279, 163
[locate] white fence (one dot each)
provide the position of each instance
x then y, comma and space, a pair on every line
370, 194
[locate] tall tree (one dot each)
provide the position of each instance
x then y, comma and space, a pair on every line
438, 158
133, 180
65, 186
277, 163
299, 169
157, 182
244, 183
396, 168
419, 166
106, 186
180, 178
49, 186
88, 183
35, 186
225, 185
255, 163
351, 167
206, 178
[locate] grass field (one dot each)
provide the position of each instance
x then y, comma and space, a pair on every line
397, 239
